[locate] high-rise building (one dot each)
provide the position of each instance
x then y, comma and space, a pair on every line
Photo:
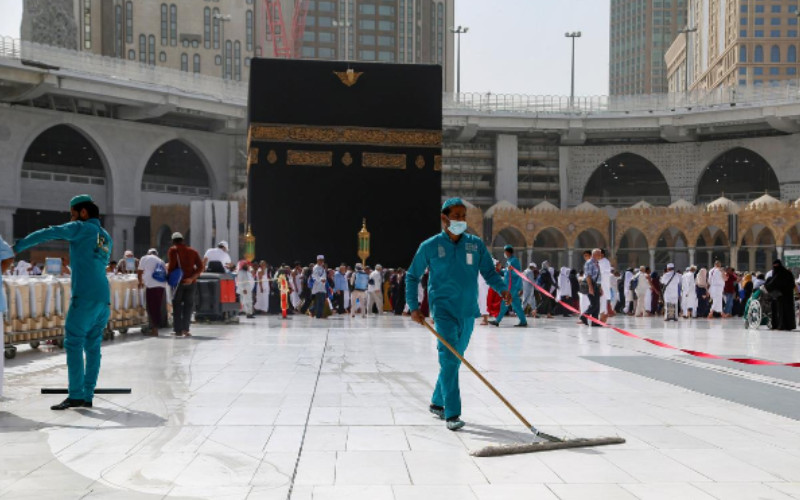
219, 37
748, 42
641, 32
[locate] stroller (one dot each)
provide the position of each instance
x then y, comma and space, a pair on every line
758, 310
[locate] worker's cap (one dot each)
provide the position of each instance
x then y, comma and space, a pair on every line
689, 268
128, 253
532, 265
453, 202
320, 257
379, 267
670, 266
359, 267
223, 244
81, 198
508, 248
152, 251
177, 236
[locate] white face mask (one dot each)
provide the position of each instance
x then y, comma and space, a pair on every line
457, 227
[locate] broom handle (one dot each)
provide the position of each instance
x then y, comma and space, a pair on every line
477, 374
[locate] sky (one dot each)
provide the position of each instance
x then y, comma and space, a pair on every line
512, 47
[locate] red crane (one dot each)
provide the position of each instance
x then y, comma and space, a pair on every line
286, 44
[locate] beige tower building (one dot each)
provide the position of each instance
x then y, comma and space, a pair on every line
220, 37
742, 42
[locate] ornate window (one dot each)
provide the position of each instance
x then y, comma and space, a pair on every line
173, 25
207, 28
196, 63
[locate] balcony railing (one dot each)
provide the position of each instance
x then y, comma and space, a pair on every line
123, 71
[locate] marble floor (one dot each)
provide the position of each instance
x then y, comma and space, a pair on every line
337, 408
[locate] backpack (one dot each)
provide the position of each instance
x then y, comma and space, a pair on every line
361, 281
160, 273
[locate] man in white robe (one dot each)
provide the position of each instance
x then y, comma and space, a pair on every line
528, 291
688, 294
605, 284
716, 287
642, 292
628, 298
671, 286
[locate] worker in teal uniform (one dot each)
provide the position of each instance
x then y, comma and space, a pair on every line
454, 260
513, 285
89, 252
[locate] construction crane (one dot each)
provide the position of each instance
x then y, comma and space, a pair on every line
286, 44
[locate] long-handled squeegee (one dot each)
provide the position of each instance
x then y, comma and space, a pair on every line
549, 443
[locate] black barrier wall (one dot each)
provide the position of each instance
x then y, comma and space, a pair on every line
328, 147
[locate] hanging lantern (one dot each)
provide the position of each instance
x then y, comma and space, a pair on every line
249, 245
363, 243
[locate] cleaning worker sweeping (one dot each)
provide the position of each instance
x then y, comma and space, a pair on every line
454, 260
89, 251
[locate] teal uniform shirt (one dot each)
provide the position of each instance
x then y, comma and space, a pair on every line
89, 252
453, 280
516, 281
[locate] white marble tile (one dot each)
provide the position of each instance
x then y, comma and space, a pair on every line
667, 491
353, 493
440, 468
377, 438
509, 491
584, 467
743, 491
371, 468
417, 492
591, 492
719, 466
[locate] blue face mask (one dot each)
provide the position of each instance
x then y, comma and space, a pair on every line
457, 227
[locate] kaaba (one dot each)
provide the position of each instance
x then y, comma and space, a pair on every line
333, 143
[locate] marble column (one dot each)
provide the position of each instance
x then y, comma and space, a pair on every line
751, 259
652, 252
692, 252
734, 257
779, 251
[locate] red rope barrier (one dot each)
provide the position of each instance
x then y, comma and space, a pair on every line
697, 354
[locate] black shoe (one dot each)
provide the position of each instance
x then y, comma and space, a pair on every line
437, 410
494, 322
87, 404
69, 403
521, 325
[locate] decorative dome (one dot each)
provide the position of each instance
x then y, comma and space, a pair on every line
586, 207
642, 204
681, 205
545, 206
723, 203
499, 206
764, 202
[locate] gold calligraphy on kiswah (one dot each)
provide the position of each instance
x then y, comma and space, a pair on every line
309, 158
383, 160
305, 134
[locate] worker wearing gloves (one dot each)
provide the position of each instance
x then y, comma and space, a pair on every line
454, 260
89, 251
513, 285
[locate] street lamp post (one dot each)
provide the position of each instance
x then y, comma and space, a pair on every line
344, 25
461, 30
686, 32
222, 20
573, 35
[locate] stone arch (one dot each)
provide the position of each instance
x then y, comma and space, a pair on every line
509, 235
633, 250
624, 179
791, 236
672, 246
590, 238
549, 243
757, 248
163, 240
74, 146
712, 244
740, 174
177, 166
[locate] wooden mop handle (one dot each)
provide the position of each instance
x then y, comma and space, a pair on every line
477, 374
